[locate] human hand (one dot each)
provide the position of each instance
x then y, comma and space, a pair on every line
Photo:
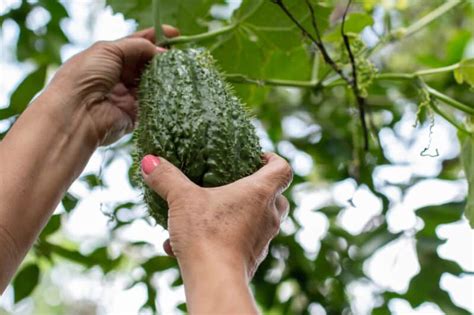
234, 222
101, 82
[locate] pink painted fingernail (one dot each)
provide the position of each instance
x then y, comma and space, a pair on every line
149, 163
161, 49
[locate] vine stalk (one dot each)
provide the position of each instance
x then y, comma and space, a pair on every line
183, 39
159, 34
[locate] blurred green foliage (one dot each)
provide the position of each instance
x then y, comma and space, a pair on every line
263, 52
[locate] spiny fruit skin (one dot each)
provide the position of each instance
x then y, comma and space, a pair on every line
189, 116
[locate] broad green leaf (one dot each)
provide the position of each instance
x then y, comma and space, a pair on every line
467, 158
357, 21
23, 94
139, 10
456, 46
369, 4
188, 15
25, 281
465, 72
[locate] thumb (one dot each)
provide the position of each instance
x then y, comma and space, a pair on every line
163, 177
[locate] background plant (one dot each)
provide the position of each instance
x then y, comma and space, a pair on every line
346, 75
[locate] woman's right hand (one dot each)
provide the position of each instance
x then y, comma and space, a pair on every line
232, 223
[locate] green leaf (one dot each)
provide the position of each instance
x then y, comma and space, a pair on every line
456, 46
465, 72
69, 202
467, 158
435, 215
25, 281
158, 263
23, 94
183, 307
357, 21
266, 44
93, 181
53, 225
139, 10
188, 15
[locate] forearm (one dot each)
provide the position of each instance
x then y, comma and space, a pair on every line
215, 285
40, 157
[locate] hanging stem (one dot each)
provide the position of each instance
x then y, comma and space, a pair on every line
450, 101
159, 35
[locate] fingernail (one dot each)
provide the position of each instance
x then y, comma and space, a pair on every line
161, 49
149, 163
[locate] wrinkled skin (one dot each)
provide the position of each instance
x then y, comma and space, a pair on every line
237, 220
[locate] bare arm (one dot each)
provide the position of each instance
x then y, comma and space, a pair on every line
91, 101
39, 158
220, 235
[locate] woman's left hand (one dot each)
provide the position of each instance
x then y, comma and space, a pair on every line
101, 82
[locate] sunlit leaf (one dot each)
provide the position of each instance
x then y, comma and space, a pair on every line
465, 72
188, 15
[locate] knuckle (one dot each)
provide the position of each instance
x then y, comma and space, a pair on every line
282, 204
287, 171
284, 174
274, 221
261, 192
101, 44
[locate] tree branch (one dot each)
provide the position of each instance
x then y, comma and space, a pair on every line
316, 41
240, 78
353, 83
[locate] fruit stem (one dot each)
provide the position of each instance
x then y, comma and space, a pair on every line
159, 35
198, 37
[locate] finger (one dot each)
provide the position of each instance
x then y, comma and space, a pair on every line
163, 177
168, 249
149, 33
282, 205
135, 54
170, 31
276, 173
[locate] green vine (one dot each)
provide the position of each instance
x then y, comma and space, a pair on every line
367, 77
159, 35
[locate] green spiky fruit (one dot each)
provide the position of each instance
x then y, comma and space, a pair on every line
189, 116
